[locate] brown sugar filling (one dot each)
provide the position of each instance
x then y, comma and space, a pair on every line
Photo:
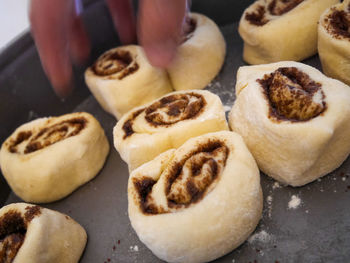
113, 62
275, 7
280, 7
47, 136
291, 95
13, 229
257, 17
338, 23
168, 111
189, 28
188, 180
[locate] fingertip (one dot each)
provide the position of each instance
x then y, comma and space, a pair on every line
64, 91
160, 55
61, 79
160, 25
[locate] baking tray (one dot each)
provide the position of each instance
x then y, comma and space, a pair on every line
316, 230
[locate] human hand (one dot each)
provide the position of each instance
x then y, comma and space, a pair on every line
61, 39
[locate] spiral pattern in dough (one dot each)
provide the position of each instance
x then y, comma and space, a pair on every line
198, 202
281, 30
46, 159
115, 61
293, 95
187, 181
264, 13
166, 123
33, 140
294, 120
168, 110
122, 78
13, 228
33, 234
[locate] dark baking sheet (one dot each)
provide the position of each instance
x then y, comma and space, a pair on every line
318, 230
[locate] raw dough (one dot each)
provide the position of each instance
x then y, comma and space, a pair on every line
48, 158
122, 79
32, 234
334, 42
199, 202
201, 55
294, 120
166, 123
275, 30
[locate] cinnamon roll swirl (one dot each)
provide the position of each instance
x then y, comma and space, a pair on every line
122, 79
166, 123
334, 41
198, 202
48, 158
275, 30
201, 55
33, 234
294, 120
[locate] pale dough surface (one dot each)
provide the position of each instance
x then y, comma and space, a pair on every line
334, 52
149, 140
53, 172
118, 95
51, 237
294, 153
291, 36
200, 58
211, 227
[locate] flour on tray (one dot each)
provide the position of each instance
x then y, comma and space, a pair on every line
294, 202
134, 248
261, 237
227, 108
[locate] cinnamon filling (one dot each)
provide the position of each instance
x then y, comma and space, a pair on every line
280, 7
144, 187
168, 111
114, 62
46, 136
13, 228
189, 28
276, 8
293, 95
338, 23
188, 180
257, 17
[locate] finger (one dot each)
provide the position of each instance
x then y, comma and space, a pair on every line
160, 25
124, 19
49, 33
79, 44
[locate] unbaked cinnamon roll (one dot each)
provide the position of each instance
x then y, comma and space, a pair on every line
48, 158
275, 30
334, 42
33, 234
294, 120
122, 79
201, 55
198, 202
166, 123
